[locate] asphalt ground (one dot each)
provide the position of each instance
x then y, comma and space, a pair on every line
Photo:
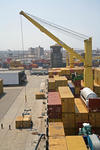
7, 99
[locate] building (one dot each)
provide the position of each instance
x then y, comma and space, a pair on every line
56, 56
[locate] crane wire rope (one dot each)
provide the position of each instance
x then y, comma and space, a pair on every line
22, 42
61, 28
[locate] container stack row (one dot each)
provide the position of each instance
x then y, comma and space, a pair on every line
58, 141
65, 71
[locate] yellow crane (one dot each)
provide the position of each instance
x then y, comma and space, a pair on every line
88, 74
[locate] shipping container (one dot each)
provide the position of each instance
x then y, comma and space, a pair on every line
75, 143
94, 104
68, 120
19, 122
65, 71
67, 99
70, 131
51, 84
60, 81
13, 77
57, 143
54, 106
97, 75
23, 122
56, 129
40, 95
81, 112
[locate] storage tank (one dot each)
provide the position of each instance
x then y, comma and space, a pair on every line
87, 93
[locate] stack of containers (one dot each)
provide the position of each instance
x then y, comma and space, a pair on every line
54, 71
68, 109
81, 113
54, 107
23, 122
65, 72
51, 85
57, 140
78, 70
1, 86
60, 81
75, 143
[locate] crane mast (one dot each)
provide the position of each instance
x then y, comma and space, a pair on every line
88, 74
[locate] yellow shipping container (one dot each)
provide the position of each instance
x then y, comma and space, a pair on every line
51, 84
65, 71
23, 122
57, 143
96, 88
26, 121
40, 95
60, 81
56, 129
75, 143
78, 70
19, 122
67, 99
97, 75
68, 120
81, 112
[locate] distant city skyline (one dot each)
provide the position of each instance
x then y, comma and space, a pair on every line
82, 16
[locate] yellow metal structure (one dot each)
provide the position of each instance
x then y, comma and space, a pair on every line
88, 73
88, 76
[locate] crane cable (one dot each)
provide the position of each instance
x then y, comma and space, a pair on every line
22, 42
61, 28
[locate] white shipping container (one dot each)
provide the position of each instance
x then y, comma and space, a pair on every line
10, 78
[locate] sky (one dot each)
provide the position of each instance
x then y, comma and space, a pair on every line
82, 16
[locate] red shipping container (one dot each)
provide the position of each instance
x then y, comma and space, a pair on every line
94, 104
54, 106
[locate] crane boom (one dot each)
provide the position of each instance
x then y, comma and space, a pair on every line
88, 74
61, 43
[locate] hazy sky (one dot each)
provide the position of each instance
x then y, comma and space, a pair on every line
82, 16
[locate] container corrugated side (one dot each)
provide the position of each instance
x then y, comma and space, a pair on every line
67, 99
94, 119
57, 143
54, 106
60, 81
51, 84
75, 143
56, 129
81, 112
68, 120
